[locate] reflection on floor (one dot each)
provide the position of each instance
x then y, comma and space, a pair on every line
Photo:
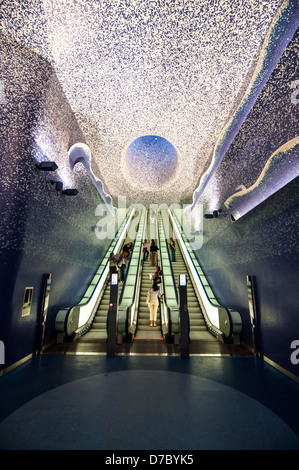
209, 346
71, 401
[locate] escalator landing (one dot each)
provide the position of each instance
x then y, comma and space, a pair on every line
154, 347
150, 341
148, 347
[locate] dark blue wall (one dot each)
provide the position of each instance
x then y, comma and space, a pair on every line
263, 243
41, 231
48, 242
20, 335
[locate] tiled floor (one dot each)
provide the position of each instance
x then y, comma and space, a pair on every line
59, 401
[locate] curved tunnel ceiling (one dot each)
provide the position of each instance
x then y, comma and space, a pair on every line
177, 70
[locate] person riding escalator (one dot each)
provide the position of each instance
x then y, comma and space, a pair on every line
153, 253
152, 301
157, 276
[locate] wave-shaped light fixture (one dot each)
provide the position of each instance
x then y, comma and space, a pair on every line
281, 168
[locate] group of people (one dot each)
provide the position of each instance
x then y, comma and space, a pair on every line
118, 261
153, 295
152, 252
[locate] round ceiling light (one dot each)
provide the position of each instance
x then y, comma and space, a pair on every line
151, 161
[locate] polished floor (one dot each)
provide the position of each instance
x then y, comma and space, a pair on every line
142, 402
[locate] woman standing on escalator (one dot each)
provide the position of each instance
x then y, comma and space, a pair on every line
152, 302
145, 250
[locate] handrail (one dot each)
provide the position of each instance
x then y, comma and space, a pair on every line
209, 308
219, 319
129, 294
170, 303
127, 269
134, 317
164, 312
78, 317
170, 263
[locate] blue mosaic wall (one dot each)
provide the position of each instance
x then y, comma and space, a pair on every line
41, 230
174, 69
194, 63
264, 242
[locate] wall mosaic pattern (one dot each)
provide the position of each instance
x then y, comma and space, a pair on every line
176, 69
282, 28
105, 74
80, 81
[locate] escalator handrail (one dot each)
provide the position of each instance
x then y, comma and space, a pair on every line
165, 331
138, 283
127, 272
171, 268
104, 273
128, 267
214, 304
172, 310
127, 308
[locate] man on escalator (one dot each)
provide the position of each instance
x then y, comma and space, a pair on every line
172, 249
112, 265
153, 253
127, 249
121, 262
157, 276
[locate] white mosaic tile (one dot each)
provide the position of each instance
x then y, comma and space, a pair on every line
129, 69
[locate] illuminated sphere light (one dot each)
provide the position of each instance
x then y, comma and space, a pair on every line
151, 161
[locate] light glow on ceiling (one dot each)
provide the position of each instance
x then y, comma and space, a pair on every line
151, 161
281, 168
128, 69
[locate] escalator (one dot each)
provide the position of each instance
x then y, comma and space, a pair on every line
198, 329
98, 330
144, 331
91, 335
213, 328
134, 335
147, 339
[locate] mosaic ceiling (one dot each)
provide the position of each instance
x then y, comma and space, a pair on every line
184, 72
